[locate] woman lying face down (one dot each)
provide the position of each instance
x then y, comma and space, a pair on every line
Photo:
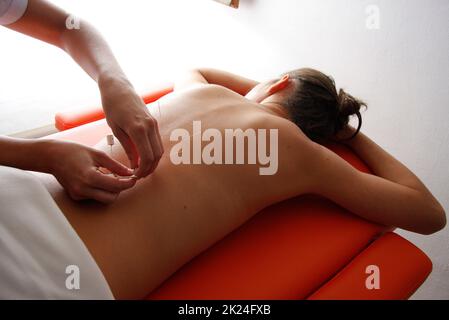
166, 219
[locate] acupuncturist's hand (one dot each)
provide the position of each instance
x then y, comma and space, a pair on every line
132, 124
76, 166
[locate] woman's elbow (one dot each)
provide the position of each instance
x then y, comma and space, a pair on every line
436, 222
441, 219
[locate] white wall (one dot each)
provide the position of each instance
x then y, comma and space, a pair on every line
401, 70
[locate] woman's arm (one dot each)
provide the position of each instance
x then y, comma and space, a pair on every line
384, 165
125, 111
393, 196
236, 83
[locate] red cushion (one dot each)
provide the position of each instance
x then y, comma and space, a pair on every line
402, 268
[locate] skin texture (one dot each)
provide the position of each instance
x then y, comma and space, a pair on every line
125, 112
151, 230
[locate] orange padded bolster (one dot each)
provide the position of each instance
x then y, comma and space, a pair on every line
75, 118
402, 269
88, 134
286, 251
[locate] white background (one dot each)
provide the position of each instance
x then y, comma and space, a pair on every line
401, 70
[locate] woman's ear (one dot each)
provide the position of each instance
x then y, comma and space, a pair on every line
279, 85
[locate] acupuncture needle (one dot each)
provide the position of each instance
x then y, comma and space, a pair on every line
111, 141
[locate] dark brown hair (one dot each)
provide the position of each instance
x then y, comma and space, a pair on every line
316, 107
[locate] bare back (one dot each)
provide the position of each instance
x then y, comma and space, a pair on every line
179, 210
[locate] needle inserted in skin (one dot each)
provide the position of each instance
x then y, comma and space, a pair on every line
111, 141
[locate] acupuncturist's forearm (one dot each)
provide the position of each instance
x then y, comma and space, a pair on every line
88, 48
49, 23
25, 154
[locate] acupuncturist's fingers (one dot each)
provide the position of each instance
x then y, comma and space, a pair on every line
147, 160
159, 139
128, 146
110, 183
142, 142
103, 160
156, 144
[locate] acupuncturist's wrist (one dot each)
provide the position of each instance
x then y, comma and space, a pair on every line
113, 80
113, 87
42, 155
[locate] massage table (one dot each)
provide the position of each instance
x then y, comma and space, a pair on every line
303, 248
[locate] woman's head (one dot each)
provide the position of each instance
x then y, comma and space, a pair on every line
312, 102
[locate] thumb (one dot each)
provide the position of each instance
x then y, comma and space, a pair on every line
112, 165
128, 146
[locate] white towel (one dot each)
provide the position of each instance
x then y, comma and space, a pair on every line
38, 246
12, 10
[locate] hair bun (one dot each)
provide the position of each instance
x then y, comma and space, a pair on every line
348, 106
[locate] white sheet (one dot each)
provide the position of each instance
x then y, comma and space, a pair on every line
37, 244
12, 10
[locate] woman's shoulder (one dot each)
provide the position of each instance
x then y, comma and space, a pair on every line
286, 129
204, 90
